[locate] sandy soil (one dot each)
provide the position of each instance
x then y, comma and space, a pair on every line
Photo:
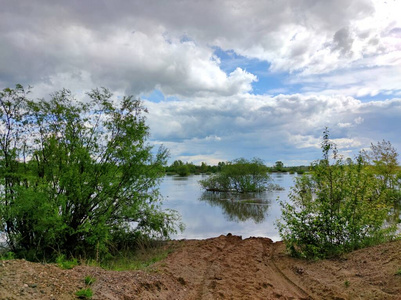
225, 267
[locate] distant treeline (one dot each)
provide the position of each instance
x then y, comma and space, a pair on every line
279, 167
184, 169
180, 168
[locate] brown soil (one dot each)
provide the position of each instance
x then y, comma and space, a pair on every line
225, 267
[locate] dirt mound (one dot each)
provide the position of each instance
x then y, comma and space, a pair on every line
226, 267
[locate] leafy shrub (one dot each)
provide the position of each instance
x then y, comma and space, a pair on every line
334, 209
183, 170
73, 174
240, 176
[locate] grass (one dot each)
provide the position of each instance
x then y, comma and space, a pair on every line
141, 258
137, 260
398, 273
7, 256
89, 280
346, 283
84, 293
66, 264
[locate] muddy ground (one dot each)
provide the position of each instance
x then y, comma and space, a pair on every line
226, 267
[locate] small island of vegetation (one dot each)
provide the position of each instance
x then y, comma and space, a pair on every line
240, 176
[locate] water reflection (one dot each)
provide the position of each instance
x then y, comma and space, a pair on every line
239, 207
180, 178
212, 215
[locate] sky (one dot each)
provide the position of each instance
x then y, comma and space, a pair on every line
222, 79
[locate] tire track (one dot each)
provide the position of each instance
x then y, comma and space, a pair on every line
271, 262
229, 264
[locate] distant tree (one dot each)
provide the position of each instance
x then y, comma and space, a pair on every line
221, 164
192, 168
177, 163
279, 166
204, 167
75, 176
183, 170
383, 157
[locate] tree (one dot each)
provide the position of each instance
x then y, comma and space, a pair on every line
240, 175
204, 167
279, 166
183, 170
335, 209
12, 143
382, 158
77, 175
177, 163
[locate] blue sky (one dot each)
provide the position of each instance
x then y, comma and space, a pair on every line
222, 79
268, 82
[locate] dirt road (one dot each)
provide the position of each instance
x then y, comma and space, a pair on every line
225, 267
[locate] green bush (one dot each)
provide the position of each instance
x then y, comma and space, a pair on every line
335, 209
239, 176
183, 170
74, 174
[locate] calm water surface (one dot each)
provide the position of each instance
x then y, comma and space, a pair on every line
208, 214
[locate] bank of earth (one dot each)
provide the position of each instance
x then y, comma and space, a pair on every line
226, 267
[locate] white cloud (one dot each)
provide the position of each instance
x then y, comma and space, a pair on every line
213, 138
273, 128
328, 53
346, 143
119, 58
358, 120
344, 125
137, 46
304, 141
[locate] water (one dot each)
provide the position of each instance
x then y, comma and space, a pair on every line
208, 214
